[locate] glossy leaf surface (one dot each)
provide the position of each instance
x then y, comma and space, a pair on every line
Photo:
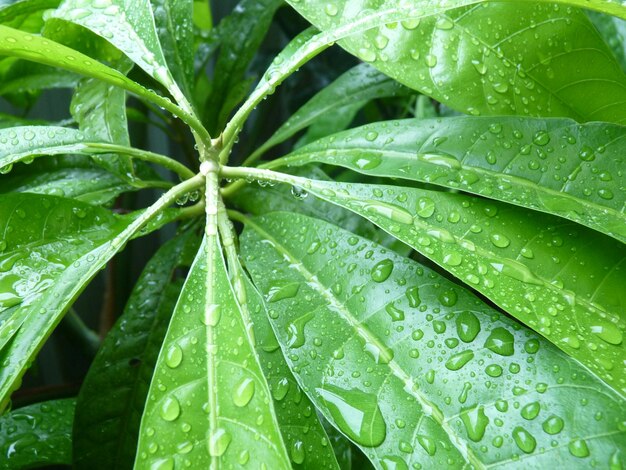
113, 395
489, 59
416, 370
209, 404
359, 84
37, 435
554, 165
557, 277
240, 34
303, 434
128, 25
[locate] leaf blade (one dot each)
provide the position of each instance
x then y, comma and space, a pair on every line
353, 329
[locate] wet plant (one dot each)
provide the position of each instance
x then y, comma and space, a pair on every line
397, 241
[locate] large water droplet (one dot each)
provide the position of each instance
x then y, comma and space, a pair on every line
280, 290
394, 312
413, 296
475, 421
501, 342
427, 444
279, 391
457, 361
531, 410
524, 440
382, 270
607, 332
467, 326
425, 207
170, 408
174, 356
295, 330
219, 442
578, 448
553, 425
356, 413
243, 392
297, 452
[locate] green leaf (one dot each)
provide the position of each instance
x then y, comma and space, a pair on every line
26, 14
129, 26
555, 165
31, 47
67, 177
21, 76
556, 276
100, 111
37, 435
173, 23
302, 432
51, 248
613, 30
208, 401
466, 57
416, 370
258, 200
106, 429
358, 85
241, 34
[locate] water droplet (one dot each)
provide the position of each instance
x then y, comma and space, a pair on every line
524, 440
453, 258
475, 421
219, 442
279, 391
493, 370
371, 136
607, 332
499, 240
212, 315
541, 138
368, 161
162, 464
457, 361
297, 452
390, 211
295, 330
356, 413
382, 270
501, 342
244, 457
431, 60
394, 312
530, 411
413, 296
553, 425
467, 326
331, 9
170, 409
427, 444
174, 356
425, 207
280, 290
244, 392
578, 448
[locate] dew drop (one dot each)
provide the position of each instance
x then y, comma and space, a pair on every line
475, 421
541, 138
382, 270
499, 240
174, 356
425, 207
467, 326
578, 448
243, 392
280, 290
356, 413
170, 409
280, 390
457, 361
394, 312
524, 440
607, 332
219, 442
413, 296
297, 452
427, 444
530, 411
553, 425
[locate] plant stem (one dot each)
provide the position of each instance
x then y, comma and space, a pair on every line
166, 162
258, 174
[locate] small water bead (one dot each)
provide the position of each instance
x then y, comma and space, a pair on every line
331, 9
425, 207
427, 444
162, 464
499, 240
394, 312
281, 290
279, 391
457, 361
541, 138
493, 370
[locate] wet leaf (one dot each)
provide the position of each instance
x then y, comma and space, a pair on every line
487, 58
208, 401
37, 435
555, 276
416, 370
554, 165
107, 428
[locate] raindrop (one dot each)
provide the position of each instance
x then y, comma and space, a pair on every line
475, 421
541, 138
524, 440
297, 452
170, 409
174, 356
457, 361
382, 270
356, 413
243, 392
280, 290
530, 411
219, 442
425, 207
467, 326
553, 425
578, 448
